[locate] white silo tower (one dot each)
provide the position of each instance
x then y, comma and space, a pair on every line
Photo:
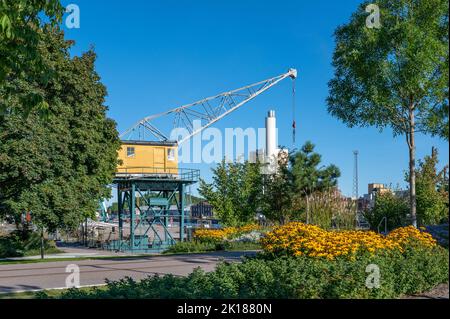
271, 135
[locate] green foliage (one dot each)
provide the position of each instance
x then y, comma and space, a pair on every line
200, 247
277, 204
394, 76
190, 247
14, 245
57, 167
289, 277
394, 208
235, 192
328, 209
238, 245
381, 73
307, 175
21, 25
432, 199
287, 193
432, 196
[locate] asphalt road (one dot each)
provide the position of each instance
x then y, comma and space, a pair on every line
51, 275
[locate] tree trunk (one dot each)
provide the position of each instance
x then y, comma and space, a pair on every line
42, 243
412, 169
307, 209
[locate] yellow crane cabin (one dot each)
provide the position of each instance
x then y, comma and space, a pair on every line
144, 157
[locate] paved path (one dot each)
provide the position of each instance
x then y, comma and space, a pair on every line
73, 252
438, 292
37, 276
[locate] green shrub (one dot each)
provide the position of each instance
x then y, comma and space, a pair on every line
14, 245
190, 247
413, 271
238, 245
199, 247
394, 208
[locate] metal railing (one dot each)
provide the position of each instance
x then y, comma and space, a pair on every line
187, 174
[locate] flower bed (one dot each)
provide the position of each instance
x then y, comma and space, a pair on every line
218, 235
299, 239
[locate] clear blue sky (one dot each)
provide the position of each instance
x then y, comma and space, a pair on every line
156, 55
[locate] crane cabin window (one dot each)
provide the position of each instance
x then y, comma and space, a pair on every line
130, 151
170, 154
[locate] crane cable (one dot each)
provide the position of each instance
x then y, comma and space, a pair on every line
293, 113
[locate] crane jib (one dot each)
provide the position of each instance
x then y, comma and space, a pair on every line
207, 111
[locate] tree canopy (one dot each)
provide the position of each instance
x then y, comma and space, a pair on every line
235, 192
287, 191
21, 25
308, 176
396, 75
381, 73
239, 190
58, 166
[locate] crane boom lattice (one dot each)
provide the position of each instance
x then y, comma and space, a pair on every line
206, 111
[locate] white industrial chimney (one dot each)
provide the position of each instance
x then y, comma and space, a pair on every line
271, 135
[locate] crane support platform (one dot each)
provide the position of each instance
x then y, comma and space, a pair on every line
151, 209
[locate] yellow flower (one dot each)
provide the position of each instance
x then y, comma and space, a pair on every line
224, 233
300, 239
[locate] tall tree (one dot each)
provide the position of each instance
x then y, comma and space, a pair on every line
396, 75
279, 189
20, 24
308, 178
235, 191
57, 167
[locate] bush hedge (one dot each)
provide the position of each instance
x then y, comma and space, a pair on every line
200, 247
14, 245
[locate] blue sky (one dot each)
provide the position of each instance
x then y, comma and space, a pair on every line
157, 55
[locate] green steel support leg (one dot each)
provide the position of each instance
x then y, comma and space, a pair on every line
182, 212
166, 211
132, 214
120, 212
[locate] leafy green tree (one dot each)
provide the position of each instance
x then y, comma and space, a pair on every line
234, 192
309, 178
21, 25
57, 167
239, 190
432, 200
279, 191
394, 76
394, 208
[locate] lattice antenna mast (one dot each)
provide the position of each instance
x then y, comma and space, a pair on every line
355, 175
207, 111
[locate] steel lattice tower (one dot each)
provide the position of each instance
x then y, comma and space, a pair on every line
355, 176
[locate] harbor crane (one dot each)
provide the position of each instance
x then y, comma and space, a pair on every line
207, 111
150, 186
